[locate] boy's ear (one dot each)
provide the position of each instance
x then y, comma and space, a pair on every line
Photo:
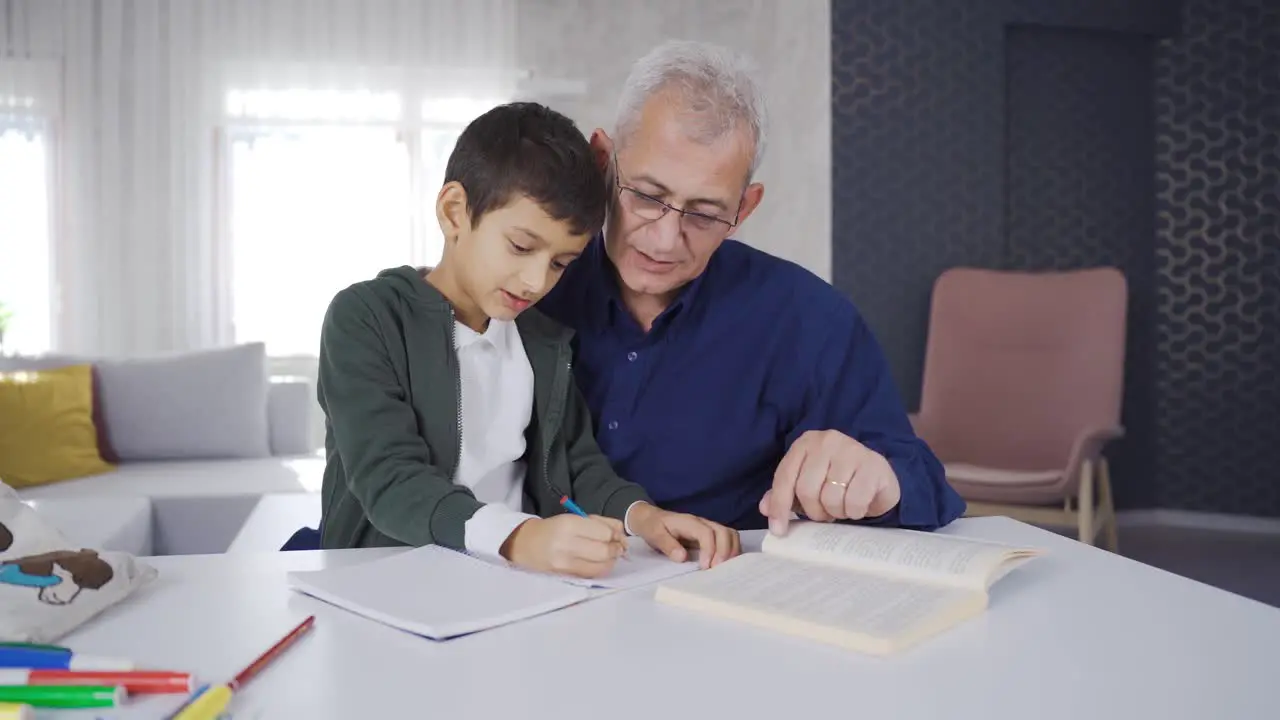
602, 150
451, 210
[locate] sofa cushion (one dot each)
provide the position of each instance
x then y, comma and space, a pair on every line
46, 426
29, 363
200, 405
209, 404
194, 478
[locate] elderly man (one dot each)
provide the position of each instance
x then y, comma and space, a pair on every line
729, 383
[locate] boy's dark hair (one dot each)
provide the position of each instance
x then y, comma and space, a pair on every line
524, 148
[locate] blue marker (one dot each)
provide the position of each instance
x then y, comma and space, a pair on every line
47, 659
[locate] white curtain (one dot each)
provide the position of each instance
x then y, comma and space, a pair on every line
141, 267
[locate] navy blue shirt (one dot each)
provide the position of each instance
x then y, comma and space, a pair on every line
754, 352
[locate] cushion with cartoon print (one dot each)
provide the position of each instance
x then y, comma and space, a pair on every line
49, 587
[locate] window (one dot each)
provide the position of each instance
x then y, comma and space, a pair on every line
323, 189
26, 288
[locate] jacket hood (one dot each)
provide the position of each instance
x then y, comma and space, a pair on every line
409, 283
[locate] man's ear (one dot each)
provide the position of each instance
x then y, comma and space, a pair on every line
751, 198
451, 210
602, 150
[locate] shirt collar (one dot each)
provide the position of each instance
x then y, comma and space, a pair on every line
495, 334
610, 307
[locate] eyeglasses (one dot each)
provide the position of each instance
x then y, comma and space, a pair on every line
650, 208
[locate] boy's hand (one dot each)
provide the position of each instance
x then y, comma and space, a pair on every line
567, 544
669, 533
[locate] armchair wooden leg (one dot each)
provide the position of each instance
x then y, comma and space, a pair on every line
1108, 507
1085, 513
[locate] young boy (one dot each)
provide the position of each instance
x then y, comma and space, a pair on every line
452, 413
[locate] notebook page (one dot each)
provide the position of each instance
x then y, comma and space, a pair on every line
776, 592
907, 554
642, 566
436, 592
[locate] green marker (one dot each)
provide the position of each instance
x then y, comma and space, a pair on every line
33, 646
62, 696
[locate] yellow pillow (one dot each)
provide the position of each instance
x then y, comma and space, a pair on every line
46, 426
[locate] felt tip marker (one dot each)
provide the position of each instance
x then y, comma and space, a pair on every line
74, 696
34, 646
209, 706
199, 692
135, 682
16, 711
41, 659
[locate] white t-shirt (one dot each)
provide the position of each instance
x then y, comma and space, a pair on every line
497, 406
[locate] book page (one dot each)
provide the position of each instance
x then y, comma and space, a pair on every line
866, 612
907, 554
436, 592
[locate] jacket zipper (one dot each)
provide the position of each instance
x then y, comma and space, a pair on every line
546, 451
457, 393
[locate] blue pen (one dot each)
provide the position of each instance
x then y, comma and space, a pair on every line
572, 507
48, 659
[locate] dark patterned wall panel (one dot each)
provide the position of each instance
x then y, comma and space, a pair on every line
1143, 17
917, 154
1218, 254
1081, 190
919, 124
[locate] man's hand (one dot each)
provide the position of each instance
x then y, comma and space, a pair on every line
827, 475
567, 544
669, 533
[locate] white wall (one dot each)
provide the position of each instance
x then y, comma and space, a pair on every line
596, 41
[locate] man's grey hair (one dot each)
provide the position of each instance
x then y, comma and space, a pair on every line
716, 88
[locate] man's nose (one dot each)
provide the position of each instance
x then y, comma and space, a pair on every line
666, 232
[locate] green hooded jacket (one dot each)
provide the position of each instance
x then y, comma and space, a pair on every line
391, 392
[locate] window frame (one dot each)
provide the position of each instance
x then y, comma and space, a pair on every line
411, 129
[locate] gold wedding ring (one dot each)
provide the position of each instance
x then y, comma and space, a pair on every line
843, 485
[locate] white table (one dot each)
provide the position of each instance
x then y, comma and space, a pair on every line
1078, 633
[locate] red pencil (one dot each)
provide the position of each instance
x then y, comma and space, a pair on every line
271, 654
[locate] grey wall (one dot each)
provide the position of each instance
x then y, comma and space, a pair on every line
596, 41
1056, 134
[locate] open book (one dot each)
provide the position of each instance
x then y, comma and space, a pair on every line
872, 590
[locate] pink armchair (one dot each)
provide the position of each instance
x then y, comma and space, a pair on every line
1023, 379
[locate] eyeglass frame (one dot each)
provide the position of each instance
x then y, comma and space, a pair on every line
667, 208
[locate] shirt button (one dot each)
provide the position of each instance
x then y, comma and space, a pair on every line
613, 425
631, 356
